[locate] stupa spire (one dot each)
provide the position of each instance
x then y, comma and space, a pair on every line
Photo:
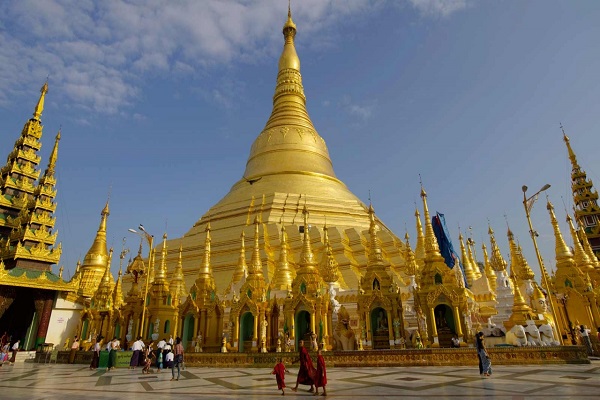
585, 198
466, 262
289, 143
329, 265
205, 269
432, 250
561, 249
162, 270
95, 260
118, 291
256, 266
582, 261
306, 256
411, 264
284, 276
39, 108
497, 261
420, 246
489, 271
241, 269
177, 286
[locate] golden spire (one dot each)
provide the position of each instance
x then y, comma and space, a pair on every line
521, 312
587, 247
582, 261
106, 279
284, 275
53, 157
411, 264
471, 256
205, 269
329, 265
162, 270
177, 285
466, 262
306, 256
289, 143
39, 108
420, 247
375, 253
242, 268
562, 251
489, 271
572, 156
95, 259
256, 261
118, 291
497, 262
432, 250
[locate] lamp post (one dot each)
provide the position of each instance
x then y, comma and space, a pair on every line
150, 239
528, 204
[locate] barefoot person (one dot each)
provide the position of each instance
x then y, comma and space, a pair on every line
279, 372
486, 363
307, 370
321, 374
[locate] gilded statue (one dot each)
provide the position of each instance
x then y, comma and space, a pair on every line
343, 334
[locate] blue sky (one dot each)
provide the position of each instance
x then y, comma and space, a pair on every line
160, 101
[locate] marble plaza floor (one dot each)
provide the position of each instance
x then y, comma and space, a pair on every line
65, 382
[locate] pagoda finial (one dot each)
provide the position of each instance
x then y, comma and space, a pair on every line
53, 156
497, 261
306, 256
162, 271
581, 258
241, 269
205, 269
432, 250
284, 275
572, 156
256, 261
562, 251
39, 108
466, 262
420, 246
375, 252
489, 271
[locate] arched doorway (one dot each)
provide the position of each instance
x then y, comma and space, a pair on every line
273, 326
188, 330
380, 329
445, 325
246, 331
303, 328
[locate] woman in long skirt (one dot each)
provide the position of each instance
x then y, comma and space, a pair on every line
486, 363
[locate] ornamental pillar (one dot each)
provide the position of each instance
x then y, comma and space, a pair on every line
434, 332
46, 311
390, 328
457, 322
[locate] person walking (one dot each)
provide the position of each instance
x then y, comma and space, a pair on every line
137, 347
74, 348
178, 359
307, 370
478, 344
584, 332
96, 355
148, 357
279, 372
321, 374
486, 363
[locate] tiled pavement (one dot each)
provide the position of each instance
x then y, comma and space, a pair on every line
65, 382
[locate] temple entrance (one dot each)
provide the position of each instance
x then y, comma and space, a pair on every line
187, 334
246, 331
19, 318
303, 331
444, 323
380, 329
273, 328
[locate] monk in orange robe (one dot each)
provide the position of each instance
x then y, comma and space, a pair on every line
307, 370
321, 374
279, 372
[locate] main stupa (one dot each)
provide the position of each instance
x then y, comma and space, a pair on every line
288, 168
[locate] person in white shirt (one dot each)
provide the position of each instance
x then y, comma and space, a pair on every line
171, 340
584, 332
169, 359
137, 348
15, 350
96, 356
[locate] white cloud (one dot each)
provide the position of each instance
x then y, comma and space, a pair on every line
436, 8
361, 111
98, 53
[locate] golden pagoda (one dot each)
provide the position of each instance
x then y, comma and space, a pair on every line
443, 299
95, 260
28, 288
379, 303
585, 197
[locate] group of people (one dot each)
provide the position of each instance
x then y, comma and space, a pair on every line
6, 348
307, 375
